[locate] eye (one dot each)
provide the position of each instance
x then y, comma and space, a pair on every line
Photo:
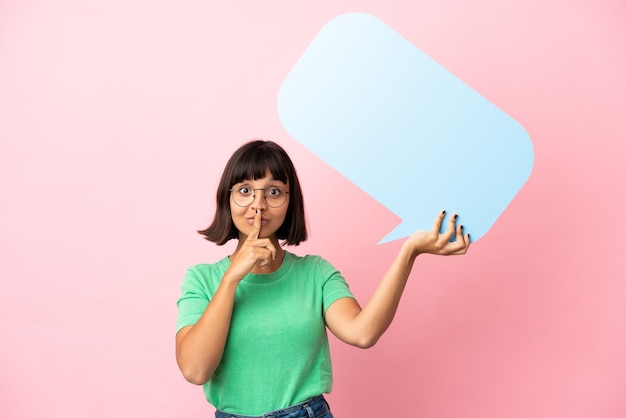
244, 191
274, 192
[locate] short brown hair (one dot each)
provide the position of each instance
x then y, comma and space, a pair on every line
252, 161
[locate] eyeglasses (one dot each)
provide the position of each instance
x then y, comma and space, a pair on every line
243, 196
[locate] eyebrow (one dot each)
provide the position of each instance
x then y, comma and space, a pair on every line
271, 180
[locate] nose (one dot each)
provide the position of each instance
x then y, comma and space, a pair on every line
258, 201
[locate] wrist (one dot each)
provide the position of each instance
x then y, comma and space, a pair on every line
410, 250
232, 278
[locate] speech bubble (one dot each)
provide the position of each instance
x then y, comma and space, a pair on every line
403, 128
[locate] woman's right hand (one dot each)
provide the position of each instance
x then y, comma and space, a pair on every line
199, 347
254, 251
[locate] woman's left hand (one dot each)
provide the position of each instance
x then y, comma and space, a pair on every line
435, 242
363, 327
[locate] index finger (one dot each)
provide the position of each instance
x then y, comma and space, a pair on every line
256, 226
438, 222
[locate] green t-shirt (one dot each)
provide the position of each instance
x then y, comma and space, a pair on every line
277, 352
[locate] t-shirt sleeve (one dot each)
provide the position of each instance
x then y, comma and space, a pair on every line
193, 300
335, 286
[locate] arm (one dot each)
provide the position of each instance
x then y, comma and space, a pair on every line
199, 347
362, 327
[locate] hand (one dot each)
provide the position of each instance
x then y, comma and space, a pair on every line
252, 252
434, 242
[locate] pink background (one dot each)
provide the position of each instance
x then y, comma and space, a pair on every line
116, 119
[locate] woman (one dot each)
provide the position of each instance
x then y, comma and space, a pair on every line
252, 327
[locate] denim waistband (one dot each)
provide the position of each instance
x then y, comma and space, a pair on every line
311, 408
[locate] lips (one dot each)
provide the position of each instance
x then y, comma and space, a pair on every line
263, 220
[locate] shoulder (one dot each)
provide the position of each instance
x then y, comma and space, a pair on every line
308, 260
312, 265
204, 275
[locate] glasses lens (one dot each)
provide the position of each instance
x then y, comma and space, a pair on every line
275, 197
243, 196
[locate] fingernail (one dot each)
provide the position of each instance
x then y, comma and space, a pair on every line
456, 216
461, 227
444, 212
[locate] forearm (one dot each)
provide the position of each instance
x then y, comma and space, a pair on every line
363, 327
200, 349
378, 313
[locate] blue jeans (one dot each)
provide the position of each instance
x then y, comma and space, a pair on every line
313, 408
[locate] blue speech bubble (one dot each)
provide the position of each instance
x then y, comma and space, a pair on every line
403, 128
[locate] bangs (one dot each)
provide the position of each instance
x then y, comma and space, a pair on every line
255, 165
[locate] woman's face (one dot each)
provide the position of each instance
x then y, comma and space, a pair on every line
271, 217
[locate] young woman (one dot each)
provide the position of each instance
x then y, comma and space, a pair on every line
252, 327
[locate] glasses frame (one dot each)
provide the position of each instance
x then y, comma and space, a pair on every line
264, 196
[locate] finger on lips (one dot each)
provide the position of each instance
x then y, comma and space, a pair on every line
256, 231
256, 226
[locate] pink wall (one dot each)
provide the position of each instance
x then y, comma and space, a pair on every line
116, 118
